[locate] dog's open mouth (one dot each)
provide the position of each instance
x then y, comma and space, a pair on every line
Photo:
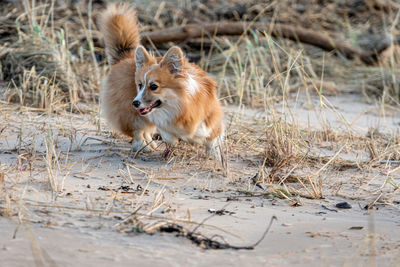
146, 110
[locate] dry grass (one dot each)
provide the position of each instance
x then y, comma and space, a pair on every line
45, 62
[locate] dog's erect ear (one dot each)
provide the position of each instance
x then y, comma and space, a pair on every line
141, 57
173, 59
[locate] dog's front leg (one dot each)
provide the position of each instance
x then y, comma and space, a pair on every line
170, 141
138, 141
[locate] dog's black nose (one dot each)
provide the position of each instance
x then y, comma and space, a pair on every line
136, 103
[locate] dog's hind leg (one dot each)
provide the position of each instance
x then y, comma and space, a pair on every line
213, 148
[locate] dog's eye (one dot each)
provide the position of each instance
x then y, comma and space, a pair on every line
140, 85
153, 87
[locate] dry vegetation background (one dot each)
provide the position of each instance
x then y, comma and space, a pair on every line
53, 140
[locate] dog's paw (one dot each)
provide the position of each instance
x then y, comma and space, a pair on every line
168, 138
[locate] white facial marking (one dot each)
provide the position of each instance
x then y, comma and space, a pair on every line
142, 90
139, 96
192, 85
145, 78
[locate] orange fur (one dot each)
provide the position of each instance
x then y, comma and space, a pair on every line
118, 25
189, 109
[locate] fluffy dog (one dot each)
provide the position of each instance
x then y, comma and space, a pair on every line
169, 93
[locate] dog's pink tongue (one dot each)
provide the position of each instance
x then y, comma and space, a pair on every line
144, 110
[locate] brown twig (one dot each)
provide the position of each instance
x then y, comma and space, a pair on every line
210, 243
296, 33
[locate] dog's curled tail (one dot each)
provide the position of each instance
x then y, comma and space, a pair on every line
120, 29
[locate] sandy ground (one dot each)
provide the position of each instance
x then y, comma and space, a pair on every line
86, 221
